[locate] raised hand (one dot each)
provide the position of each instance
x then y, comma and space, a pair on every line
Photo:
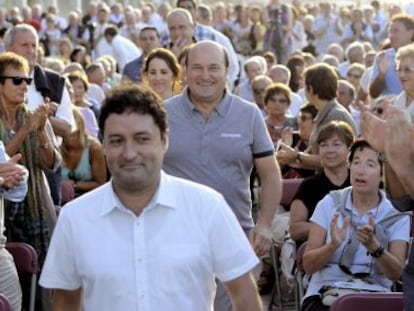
338, 234
365, 235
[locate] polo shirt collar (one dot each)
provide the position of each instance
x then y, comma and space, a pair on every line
163, 197
220, 109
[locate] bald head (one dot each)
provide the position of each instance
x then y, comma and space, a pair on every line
180, 25
209, 45
279, 74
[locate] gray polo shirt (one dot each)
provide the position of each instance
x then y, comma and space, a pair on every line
332, 111
219, 152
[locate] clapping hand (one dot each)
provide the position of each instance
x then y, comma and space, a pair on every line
338, 233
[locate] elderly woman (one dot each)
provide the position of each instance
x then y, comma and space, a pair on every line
276, 105
356, 234
161, 71
334, 140
405, 69
30, 134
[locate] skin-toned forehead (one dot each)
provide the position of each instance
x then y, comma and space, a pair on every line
179, 15
202, 49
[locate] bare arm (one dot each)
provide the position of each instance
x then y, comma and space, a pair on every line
299, 225
383, 63
60, 127
243, 293
67, 300
270, 195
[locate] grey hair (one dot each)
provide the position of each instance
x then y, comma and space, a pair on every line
11, 33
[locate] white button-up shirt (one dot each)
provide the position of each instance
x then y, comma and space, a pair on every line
164, 259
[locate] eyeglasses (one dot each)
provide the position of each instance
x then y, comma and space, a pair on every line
258, 91
17, 80
406, 70
353, 75
378, 110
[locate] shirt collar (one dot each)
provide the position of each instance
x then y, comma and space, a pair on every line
164, 196
220, 109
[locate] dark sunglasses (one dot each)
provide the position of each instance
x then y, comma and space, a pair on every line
17, 80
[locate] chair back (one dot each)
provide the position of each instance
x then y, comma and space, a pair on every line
369, 301
25, 259
24, 255
4, 303
290, 187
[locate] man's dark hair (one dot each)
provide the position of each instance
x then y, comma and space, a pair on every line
152, 28
111, 31
177, 4
134, 98
361, 144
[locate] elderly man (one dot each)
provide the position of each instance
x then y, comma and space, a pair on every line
209, 144
146, 240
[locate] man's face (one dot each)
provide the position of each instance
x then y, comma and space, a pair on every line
102, 17
180, 27
259, 89
206, 76
344, 96
399, 35
134, 151
187, 5
252, 70
148, 40
25, 44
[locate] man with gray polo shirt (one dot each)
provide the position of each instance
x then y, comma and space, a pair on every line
215, 138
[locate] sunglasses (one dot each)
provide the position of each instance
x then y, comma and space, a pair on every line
17, 80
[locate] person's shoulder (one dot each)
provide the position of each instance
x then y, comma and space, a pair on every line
172, 102
88, 203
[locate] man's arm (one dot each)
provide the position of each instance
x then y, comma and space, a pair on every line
60, 127
243, 293
67, 300
270, 195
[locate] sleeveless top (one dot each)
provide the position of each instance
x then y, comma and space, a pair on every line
83, 171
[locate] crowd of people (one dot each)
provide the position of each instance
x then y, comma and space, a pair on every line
153, 124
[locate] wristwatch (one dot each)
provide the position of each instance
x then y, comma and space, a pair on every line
378, 252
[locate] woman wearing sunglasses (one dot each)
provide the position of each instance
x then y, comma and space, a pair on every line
29, 133
356, 234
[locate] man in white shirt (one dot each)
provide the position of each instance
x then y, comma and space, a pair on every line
123, 49
146, 240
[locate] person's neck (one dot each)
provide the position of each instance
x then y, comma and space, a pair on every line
135, 200
206, 107
279, 119
167, 94
365, 202
9, 115
319, 103
337, 175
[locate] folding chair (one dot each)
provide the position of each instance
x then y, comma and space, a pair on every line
290, 187
299, 272
25, 258
4, 303
369, 301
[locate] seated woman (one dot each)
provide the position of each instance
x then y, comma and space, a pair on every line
334, 139
83, 159
276, 104
161, 72
356, 233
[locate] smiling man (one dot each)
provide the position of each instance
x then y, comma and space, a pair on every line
215, 138
146, 240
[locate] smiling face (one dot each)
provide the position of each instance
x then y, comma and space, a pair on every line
134, 150
206, 76
333, 152
365, 170
406, 73
11, 93
160, 77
